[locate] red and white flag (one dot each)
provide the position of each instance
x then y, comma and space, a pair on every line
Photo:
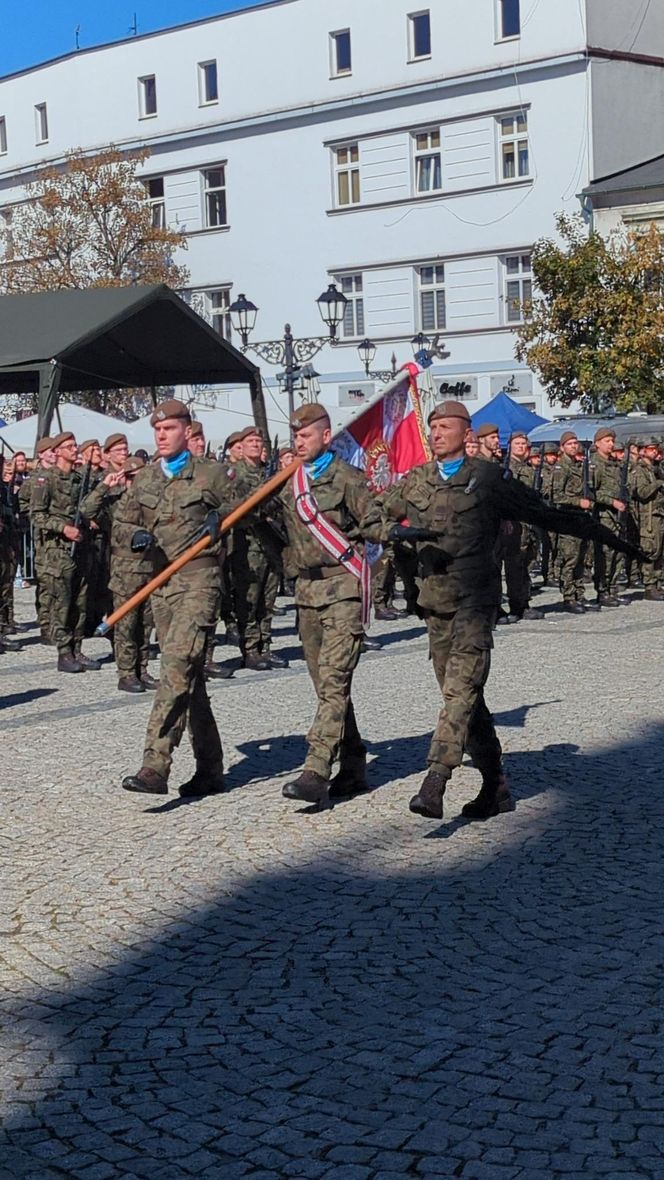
389, 438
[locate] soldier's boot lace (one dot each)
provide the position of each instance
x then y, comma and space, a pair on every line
494, 799
429, 799
309, 788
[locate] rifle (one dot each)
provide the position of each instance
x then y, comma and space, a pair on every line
623, 490
539, 471
588, 494
272, 465
505, 462
82, 493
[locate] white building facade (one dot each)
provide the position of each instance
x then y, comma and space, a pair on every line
410, 154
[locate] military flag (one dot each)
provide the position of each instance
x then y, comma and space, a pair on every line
389, 438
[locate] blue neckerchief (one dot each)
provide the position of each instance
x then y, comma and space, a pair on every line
174, 466
450, 467
319, 465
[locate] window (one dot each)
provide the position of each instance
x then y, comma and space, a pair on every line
347, 171
509, 18
214, 183
340, 53
41, 123
353, 321
213, 305
432, 298
3, 135
428, 168
419, 35
518, 286
155, 193
147, 96
208, 87
514, 157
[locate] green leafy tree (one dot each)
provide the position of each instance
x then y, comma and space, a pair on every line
594, 331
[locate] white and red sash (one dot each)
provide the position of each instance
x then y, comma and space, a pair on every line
331, 539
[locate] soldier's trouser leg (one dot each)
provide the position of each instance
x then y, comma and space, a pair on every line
132, 637
60, 588
331, 639
266, 606
147, 627
572, 563
6, 588
248, 575
611, 563
460, 645
79, 603
182, 621
651, 543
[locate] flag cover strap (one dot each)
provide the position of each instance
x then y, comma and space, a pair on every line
331, 539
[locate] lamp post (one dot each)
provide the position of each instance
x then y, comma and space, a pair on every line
367, 352
289, 352
424, 351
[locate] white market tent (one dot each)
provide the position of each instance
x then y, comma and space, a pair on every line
82, 422
217, 424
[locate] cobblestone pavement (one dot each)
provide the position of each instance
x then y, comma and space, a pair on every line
233, 988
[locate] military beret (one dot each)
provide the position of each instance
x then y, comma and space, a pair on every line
196, 429
233, 438
61, 438
486, 429
308, 414
604, 432
449, 410
89, 442
248, 430
567, 436
114, 440
44, 444
649, 441
170, 409
552, 448
286, 450
133, 463
518, 434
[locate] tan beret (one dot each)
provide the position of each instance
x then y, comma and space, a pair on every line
604, 432
286, 450
486, 429
44, 444
552, 448
114, 440
196, 429
567, 436
449, 410
233, 438
133, 463
518, 434
89, 442
170, 409
59, 439
248, 430
308, 414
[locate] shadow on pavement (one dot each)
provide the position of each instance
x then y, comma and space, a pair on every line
24, 698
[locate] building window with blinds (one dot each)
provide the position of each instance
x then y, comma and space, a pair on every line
431, 282
353, 321
428, 162
347, 175
518, 286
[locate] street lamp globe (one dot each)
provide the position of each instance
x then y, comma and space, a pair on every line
420, 343
332, 307
243, 317
366, 351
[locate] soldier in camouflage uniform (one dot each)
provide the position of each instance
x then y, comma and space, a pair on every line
328, 600
54, 503
568, 492
255, 562
100, 600
8, 539
520, 542
172, 502
45, 459
605, 474
648, 493
197, 447
455, 507
550, 458
129, 572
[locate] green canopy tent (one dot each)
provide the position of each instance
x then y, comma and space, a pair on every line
57, 342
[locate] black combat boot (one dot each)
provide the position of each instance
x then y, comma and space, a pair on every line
148, 681
654, 595
88, 664
494, 799
147, 781
204, 781
386, 614
309, 788
130, 684
606, 599
575, 608
67, 662
232, 634
370, 644
351, 777
274, 660
256, 662
213, 671
429, 799
8, 644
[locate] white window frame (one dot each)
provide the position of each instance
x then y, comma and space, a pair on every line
353, 323
335, 72
348, 168
143, 83
3, 135
515, 137
203, 301
429, 152
209, 190
203, 100
157, 203
438, 284
523, 277
411, 18
41, 122
500, 13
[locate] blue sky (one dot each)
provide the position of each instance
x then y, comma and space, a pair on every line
46, 28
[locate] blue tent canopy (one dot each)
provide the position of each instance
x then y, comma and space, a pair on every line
508, 416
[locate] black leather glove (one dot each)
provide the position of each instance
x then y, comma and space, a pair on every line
406, 532
141, 541
210, 526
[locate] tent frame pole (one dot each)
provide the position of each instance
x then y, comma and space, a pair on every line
49, 384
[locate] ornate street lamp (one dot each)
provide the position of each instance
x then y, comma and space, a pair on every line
243, 317
367, 352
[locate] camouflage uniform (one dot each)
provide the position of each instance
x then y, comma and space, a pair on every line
550, 549
520, 549
648, 492
173, 510
129, 572
42, 602
54, 503
609, 565
329, 608
255, 562
568, 492
8, 542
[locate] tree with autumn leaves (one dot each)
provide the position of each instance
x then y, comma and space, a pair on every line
88, 223
594, 332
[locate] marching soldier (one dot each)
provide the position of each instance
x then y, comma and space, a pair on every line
45, 458
549, 540
572, 550
520, 541
197, 446
488, 438
170, 503
54, 503
606, 489
648, 491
